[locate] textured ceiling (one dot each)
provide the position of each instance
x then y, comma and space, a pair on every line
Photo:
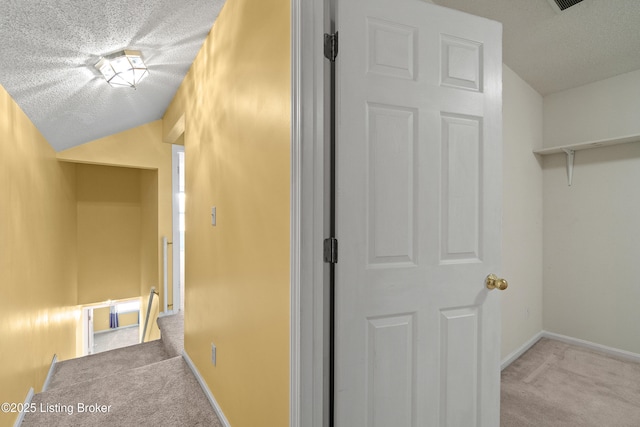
590, 41
49, 49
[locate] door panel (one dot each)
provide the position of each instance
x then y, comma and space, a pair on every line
461, 188
391, 369
418, 215
459, 366
391, 146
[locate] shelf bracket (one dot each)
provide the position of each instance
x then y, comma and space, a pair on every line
570, 156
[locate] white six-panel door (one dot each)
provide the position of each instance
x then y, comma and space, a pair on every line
418, 215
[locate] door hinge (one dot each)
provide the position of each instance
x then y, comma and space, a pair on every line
331, 46
331, 250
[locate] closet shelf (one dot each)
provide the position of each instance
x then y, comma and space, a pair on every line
570, 150
588, 145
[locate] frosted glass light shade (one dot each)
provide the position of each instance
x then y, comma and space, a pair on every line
123, 69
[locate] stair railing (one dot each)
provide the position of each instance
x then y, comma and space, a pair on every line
146, 321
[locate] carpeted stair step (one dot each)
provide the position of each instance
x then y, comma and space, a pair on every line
164, 393
172, 332
94, 366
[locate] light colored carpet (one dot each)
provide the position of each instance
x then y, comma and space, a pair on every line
140, 385
106, 363
561, 385
160, 394
172, 332
115, 338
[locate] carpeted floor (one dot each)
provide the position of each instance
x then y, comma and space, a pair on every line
561, 385
160, 394
143, 385
115, 338
106, 363
172, 332
552, 385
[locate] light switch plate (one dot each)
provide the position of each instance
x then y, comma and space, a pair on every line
213, 215
213, 354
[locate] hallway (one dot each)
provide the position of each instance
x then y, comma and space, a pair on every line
237, 291
147, 384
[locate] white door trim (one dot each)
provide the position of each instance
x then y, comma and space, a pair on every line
176, 283
295, 206
307, 342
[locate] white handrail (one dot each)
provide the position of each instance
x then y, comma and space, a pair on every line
146, 320
165, 272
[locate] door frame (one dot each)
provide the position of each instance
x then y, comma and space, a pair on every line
177, 284
308, 390
309, 383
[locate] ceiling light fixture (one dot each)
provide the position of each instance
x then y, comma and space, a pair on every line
123, 69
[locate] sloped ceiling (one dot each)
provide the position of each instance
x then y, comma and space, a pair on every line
554, 51
49, 49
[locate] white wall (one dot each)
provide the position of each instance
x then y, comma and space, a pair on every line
608, 108
592, 229
522, 213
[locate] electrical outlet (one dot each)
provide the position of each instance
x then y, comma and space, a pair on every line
213, 354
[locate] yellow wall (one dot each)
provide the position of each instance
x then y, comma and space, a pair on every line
101, 318
128, 319
236, 102
140, 147
109, 233
149, 232
37, 257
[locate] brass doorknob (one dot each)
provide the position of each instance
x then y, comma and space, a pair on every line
494, 282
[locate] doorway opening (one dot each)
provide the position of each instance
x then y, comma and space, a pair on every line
111, 325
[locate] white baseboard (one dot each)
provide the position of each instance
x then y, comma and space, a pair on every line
593, 346
50, 374
206, 390
27, 401
569, 340
521, 350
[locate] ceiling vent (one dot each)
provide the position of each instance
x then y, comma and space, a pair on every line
560, 5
